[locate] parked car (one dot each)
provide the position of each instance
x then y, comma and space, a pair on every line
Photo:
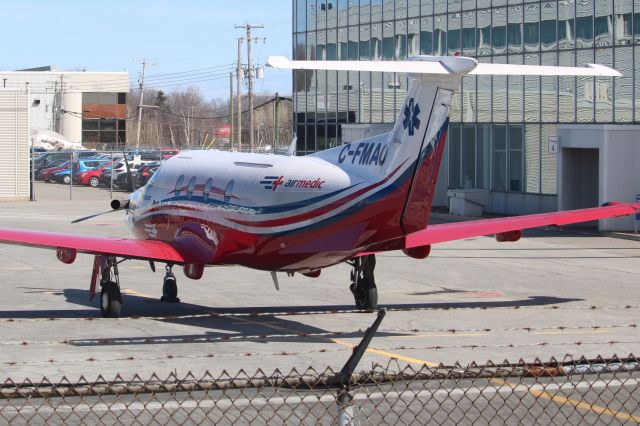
48, 172
169, 152
80, 166
41, 167
45, 160
145, 172
121, 181
105, 177
92, 176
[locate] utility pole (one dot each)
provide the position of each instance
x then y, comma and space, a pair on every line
231, 123
144, 67
239, 94
276, 129
248, 28
60, 104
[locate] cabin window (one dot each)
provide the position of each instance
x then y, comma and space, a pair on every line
207, 190
179, 183
191, 187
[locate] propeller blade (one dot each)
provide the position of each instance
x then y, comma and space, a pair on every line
132, 186
82, 219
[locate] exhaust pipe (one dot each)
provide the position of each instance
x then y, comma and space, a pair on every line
119, 204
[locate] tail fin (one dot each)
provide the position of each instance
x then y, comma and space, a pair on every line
414, 147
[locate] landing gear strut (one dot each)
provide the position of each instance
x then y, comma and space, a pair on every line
169, 287
110, 296
363, 285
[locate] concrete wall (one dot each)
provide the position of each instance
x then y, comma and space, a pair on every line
516, 203
619, 165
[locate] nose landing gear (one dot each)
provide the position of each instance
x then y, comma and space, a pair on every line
363, 285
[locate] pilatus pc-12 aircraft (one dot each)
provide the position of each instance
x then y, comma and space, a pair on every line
302, 214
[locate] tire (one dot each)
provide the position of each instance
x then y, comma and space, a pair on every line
110, 300
170, 289
66, 179
365, 295
94, 181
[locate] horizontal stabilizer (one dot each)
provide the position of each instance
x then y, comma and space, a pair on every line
443, 65
437, 65
544, 70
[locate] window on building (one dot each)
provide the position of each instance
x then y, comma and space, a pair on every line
499, 159
514, 36
515, 158
548, 33
483, 143
468, 157
454, 156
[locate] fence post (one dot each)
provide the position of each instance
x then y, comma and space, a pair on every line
71, 178
344, 398
33, 176
111, 180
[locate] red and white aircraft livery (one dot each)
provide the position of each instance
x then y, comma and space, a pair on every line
303, 214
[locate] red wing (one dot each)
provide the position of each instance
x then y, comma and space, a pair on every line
122, 247
476, 228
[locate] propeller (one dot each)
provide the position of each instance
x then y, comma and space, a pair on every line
82, 219
132, 186
115, 204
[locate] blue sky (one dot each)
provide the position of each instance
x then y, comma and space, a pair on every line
196, 37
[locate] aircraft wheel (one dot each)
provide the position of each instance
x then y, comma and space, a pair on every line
110, 300
170, 289
366, 295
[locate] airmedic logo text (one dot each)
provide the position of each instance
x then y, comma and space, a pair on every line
273, 182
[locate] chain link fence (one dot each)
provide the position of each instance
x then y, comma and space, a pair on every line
571, 391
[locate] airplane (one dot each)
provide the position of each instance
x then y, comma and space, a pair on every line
302, 214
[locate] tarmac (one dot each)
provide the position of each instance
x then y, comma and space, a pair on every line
555, 293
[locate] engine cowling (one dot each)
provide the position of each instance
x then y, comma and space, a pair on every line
509, 236
420, 252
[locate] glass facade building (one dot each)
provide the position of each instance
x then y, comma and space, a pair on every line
500, 126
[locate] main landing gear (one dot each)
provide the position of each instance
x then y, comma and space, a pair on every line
363, 285
169, 287
110, 296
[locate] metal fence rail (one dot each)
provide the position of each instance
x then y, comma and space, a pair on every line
580, 391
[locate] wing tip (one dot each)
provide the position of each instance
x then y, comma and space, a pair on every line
278, 62
605, 71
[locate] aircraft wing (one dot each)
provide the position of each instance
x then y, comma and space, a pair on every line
121, 247
460, 230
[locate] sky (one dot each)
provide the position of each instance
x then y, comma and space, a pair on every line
187, 43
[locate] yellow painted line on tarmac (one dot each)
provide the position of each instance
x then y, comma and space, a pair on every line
135, 293
385, 354
563, 400
390, 355
543, 333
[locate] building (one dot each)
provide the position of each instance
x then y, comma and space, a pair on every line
521, 140
86, 107
14, 145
